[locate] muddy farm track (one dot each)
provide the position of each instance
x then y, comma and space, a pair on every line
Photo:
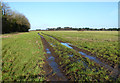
114, 71
52, 69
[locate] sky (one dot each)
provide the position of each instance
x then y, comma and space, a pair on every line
42, 15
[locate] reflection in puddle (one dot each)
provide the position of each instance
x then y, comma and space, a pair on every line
66, 44
40, 35
51, 58
52, 44
90, 57
54, 65
48, 51
70, 55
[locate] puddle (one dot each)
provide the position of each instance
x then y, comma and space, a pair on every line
54, 66
70, 55
40, 35
90, 57
96, 60
52, 44
66, 44
48, 51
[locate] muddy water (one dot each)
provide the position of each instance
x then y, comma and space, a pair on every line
88, 56
114, 73
51, 44
53, 64
70, 55
67, 45
48, 51
40, 35
57, 75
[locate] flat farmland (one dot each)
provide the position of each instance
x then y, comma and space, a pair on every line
102, 43
22, 57
61, 56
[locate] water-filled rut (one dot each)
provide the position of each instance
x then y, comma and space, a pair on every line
56, 74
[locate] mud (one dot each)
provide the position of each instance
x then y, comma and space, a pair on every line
52, 70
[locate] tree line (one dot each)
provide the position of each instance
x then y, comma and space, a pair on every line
83, 29
13, 21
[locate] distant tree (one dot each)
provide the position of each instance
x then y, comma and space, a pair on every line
74, 29
67, 28
13, 21
86, 28
58, 28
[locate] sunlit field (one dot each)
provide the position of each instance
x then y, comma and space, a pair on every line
22, 57
60, 55
103, 43
59, 41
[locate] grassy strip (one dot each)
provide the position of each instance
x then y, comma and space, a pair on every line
22, 58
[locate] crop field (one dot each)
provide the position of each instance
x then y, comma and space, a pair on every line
22, 57
61, 56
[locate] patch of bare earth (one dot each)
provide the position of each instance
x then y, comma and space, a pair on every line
10, 35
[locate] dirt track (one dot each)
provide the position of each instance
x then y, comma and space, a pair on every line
50, 75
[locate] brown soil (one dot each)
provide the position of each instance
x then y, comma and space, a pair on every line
9, 35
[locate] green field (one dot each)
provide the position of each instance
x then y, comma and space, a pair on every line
24, 55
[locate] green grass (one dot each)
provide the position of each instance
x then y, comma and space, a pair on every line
102, 43
22, 58
23, 55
